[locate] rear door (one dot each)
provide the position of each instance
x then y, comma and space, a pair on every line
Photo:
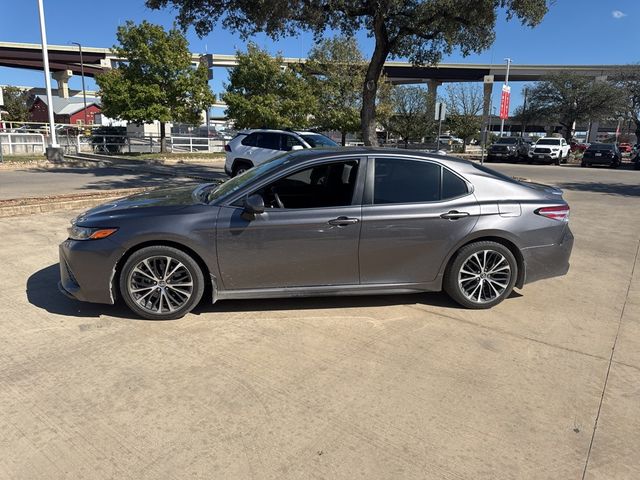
413, 212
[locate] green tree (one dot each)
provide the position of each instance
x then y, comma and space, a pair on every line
260, 93
464, 102
156, 80
421, 30
411, 117
569, 98
16, 103
335, 68
527, 114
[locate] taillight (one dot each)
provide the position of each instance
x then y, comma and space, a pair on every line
557, 212
227, 148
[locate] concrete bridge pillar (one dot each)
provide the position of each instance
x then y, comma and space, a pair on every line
62, 79
595, 124
432, 91
486, 105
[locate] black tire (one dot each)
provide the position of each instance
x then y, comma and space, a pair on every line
239, 167
156, 254
453, 287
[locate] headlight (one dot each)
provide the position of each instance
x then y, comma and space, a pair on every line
86, 233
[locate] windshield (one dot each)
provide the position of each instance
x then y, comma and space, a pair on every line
235, 183
317, 140
509, 141
548, 141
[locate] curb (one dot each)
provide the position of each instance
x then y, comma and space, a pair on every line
31, 206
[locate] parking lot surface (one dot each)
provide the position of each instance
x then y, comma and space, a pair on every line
543, 386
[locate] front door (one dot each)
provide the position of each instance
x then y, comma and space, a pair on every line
308, 235
415, 211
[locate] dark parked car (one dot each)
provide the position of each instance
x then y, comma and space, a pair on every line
602, 154
321, 222
508, 148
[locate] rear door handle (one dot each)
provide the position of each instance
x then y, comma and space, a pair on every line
454, 215
342, 221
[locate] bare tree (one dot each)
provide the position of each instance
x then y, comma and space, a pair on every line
465, 103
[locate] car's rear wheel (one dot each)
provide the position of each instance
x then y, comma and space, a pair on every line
161, 283
481, 275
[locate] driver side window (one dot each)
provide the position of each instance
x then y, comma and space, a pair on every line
321, 186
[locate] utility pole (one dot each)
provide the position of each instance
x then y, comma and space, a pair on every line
506, 84
84, 90
53, 150
524, 113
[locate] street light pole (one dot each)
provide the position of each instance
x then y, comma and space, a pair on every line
506, 82
84, 90
47, 76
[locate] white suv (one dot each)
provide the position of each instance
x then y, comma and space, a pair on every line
253, 147
550, 150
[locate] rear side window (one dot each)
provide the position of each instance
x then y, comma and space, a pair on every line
405, 181
250, 140
268, 140
452, 185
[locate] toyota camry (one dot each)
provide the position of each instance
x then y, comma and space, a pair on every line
321, 222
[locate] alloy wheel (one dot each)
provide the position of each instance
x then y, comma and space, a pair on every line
484, 276
160, 284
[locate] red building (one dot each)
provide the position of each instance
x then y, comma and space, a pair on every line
65, 110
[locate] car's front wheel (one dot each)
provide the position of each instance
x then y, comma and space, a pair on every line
481, 275
161, 283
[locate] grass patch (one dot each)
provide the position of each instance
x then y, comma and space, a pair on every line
24, 158
175, 156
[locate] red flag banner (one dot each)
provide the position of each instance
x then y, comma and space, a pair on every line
504, 102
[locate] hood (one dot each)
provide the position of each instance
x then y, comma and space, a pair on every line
167, 198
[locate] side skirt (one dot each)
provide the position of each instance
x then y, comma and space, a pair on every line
328, 291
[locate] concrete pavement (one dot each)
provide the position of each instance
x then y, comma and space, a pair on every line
544, 386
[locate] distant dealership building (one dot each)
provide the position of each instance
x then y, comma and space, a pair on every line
65, 110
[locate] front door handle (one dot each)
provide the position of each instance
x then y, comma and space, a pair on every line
454, 215
342, 221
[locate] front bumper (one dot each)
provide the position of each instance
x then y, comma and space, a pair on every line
87, 269
548, 157
549, 260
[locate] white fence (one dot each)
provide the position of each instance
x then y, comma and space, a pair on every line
22, 143
196, 144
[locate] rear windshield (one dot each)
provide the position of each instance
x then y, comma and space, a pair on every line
508, 141
317, 140
548, 141
601, 146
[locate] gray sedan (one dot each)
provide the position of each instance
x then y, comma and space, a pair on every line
321, 222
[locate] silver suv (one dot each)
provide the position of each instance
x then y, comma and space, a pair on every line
252, 147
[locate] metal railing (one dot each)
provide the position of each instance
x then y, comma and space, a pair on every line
196, 144
22, 143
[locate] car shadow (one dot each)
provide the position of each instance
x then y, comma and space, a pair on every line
618, 189
435, 299
42, 292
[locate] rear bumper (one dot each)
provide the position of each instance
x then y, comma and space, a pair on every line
600, 160
549, 260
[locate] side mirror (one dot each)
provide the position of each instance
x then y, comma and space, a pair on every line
296, 147
254, 204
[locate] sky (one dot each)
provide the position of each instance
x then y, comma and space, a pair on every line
573, 32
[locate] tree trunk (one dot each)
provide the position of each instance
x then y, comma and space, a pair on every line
344, 138
637, 123
464, 145
163, 137
370, 88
